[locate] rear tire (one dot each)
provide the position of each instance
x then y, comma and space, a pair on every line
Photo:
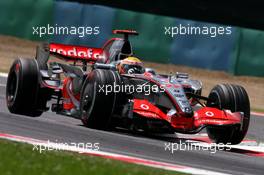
96, 106
234, 98
23, 88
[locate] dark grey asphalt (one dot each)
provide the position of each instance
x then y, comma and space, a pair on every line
63, 129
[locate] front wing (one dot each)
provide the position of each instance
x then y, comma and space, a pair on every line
205, 116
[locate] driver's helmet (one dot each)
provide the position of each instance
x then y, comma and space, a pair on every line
130, 65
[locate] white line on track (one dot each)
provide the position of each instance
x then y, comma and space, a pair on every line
3, 74
260, 114
251, 146
124, 158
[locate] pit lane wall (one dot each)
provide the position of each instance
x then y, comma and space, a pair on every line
240, 52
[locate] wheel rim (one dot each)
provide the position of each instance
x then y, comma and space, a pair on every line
214, 101
12, 87
89, 99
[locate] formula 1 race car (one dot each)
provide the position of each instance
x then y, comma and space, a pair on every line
109, 87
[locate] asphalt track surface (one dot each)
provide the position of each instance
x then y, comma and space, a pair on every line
63, 129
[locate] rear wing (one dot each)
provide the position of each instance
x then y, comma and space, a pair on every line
69, 53
126, 33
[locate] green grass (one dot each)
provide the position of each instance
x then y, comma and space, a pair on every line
18, 158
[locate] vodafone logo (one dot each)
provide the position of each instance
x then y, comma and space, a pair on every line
144, 106
76, 51
209, 114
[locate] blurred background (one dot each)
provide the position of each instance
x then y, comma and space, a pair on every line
240, 53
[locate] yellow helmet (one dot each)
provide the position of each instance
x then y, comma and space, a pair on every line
131, 65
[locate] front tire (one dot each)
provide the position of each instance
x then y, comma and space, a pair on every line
234, 98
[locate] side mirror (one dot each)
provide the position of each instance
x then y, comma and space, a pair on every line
104, 66
182, 75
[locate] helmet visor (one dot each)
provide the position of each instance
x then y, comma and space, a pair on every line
133, 69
